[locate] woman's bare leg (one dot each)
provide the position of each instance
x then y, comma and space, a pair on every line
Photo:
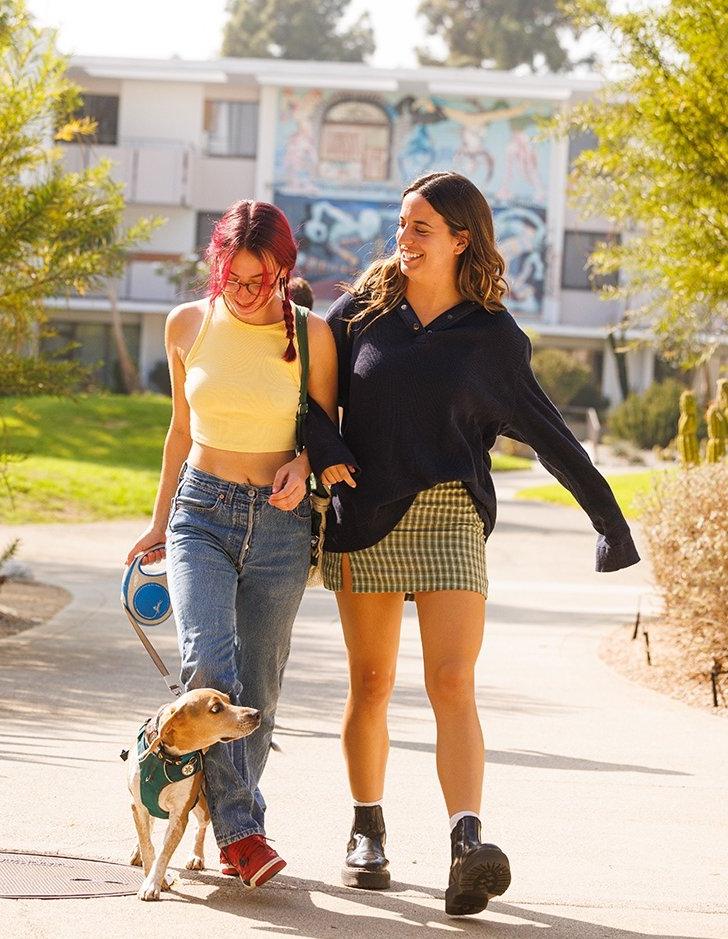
451, 626
371, 623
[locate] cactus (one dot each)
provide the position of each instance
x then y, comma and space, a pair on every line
717, 420
721, 396
717, 432
687, 430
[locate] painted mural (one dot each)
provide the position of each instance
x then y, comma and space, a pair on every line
342, 159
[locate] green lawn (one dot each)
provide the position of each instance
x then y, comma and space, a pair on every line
92, 457
625, 486
502, 463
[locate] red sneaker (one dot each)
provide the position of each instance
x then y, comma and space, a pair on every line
253, 859
225, 867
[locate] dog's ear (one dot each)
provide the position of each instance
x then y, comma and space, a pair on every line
152, 748
166, 725
161, 736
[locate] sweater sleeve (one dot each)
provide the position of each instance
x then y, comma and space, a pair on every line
536, 422
337, 316
323, 441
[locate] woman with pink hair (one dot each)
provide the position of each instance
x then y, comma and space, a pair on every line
232, 509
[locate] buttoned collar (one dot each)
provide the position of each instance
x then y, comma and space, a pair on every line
445, 319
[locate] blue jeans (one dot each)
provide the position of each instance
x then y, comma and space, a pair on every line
237, 569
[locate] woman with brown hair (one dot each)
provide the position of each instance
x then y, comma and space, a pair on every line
432, 368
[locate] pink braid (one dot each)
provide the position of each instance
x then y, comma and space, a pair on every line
290, 353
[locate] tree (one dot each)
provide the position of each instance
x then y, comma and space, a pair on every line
506, 33
659, 170
296, 29
60, 232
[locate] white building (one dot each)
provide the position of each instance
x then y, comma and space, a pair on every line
334, 144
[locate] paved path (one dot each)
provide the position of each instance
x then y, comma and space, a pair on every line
610, 799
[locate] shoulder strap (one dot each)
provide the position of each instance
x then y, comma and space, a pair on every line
302, 336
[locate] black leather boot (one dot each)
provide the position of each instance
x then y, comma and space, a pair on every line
366, 866
478, 871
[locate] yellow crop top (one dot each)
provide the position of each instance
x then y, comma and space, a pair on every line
242, 395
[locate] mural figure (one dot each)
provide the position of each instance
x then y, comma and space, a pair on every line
336, 236
300, 158
473, 155
336, 229
521, 158
522, 241
418, 154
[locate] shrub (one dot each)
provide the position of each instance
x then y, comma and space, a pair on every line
159, 379
684, 521
649, 419
25, 376
560, 375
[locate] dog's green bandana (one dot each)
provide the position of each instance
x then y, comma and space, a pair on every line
158, 770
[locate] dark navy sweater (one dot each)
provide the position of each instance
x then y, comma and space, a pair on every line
424, 404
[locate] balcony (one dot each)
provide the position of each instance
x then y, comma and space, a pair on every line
217, 181
152, 172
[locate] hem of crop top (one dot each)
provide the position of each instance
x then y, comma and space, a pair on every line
201, 441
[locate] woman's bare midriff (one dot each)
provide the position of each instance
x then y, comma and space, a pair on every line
254, 469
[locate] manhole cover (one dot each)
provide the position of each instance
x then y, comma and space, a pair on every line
52, 877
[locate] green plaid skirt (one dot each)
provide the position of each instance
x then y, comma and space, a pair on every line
439, 544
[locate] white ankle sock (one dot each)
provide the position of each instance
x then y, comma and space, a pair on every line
367, 804
454, 819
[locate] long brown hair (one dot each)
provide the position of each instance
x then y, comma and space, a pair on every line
480, 267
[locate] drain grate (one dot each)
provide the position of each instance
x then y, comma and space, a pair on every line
51, 877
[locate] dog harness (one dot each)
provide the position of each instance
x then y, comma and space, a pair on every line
158, 770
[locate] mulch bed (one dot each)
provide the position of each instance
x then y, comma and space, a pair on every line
26, 603
675, 670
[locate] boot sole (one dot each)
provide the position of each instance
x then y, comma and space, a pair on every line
365, 880
484, 874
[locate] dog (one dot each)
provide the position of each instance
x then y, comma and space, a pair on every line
165, 776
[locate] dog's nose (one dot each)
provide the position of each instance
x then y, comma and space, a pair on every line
255, 715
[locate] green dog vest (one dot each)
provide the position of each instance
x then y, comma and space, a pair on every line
158, 770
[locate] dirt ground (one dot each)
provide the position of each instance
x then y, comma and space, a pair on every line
26, 603
675, 670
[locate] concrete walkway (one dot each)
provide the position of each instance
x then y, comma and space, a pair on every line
611, 800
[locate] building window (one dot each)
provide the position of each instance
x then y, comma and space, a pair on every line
231, 128
206, 221
93, 346
355, 142
580, 141
104, 109
578, 246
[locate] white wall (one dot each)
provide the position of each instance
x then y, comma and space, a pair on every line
584, 308
216, 182
161, 111
176, 235
267, 120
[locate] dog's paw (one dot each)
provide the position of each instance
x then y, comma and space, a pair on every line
136, 857
149, 890
195, 863
168, 880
